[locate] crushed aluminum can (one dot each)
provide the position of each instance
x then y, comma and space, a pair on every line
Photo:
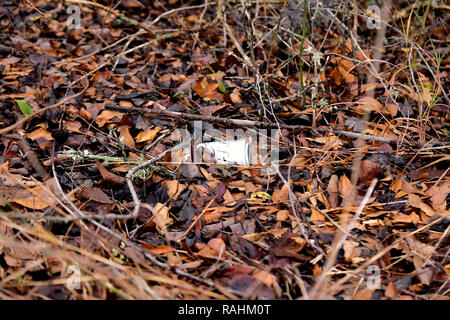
238, 152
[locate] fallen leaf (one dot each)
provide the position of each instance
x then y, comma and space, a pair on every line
369, 104
236, 96
205, 89
174, 188
364, 294
213, 249
106, 116
282, 215
36, 198
161, 217
368, 170
147, 135
126, 137
40, 133
109, 176
281, 195
95, 194
439, 195
416, 202
391, 291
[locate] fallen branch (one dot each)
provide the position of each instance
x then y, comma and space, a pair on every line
363, 136
237, 122
228, 122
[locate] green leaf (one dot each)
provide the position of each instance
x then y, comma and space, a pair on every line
24, 107
222, 87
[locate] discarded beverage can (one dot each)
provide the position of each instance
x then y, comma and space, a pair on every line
238, 152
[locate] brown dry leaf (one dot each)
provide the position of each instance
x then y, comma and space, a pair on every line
107, 116
42, 137
122, 168
36, 198
236, 96
391, 108
9, 61
161, 217
329, 141
216, 244
391, 291
282, 215
210, 110
333, 190
160, 249
107, 175
368, 170
95, 194
300, 161
92, 110
241, 185
290, 242
213, 249
359, 54
364, 294
207, 175
416, 202
147, 135
202, 190
219, 209
73, 126
439, 195
85, 114
192, 265
213, 216
205, 89
320, 196
281, 195
174, 188
126, 137
345, 187
349, 247
316, 216
172, 259
346, 75
36, 203
405, 186
335, 75
447, 269
369, 104
345, 67
424, 273
40, 133
400, 218
228, 199
9, 179
22, 255
425, 250
265, 277
125, 103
